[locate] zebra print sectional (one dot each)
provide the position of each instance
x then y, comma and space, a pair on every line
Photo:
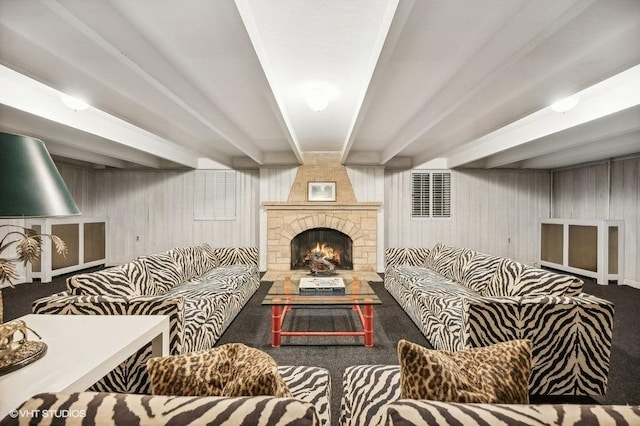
309, 405
460, 299
200, 288
372, 397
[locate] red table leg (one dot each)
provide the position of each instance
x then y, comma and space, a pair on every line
276, 324
368, 324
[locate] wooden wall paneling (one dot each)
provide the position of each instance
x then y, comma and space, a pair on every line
115, 211
583, 193
539, 191
160, 203
247, 224
394, 220
157, 207
489, 207
80, 183
474, 185
274, 185
139, 238
368, 185
561, 185
631, 202
175, 191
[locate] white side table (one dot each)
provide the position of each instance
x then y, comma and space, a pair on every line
81, 350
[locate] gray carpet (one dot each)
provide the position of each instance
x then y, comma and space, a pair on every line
253, 327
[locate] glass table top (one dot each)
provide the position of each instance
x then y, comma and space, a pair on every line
287, 292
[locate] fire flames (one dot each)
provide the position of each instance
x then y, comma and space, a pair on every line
328, 252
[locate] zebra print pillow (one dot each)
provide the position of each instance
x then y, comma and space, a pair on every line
184, 256
497, 373
451, 261
212, 260
229, 256
517, 279
128, 280
164, 270
429, 262
478, 271
412, 256
233, 369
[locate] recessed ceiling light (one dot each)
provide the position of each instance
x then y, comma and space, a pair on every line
566, 104
318, 99
74, 103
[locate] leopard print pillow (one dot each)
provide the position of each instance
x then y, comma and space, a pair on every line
494, 374
232, 369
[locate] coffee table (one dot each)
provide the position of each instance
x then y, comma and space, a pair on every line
283, 296
81, 350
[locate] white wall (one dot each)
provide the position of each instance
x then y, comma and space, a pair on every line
604, 191
368, 185
494, 212
152, 211
490, 207
275, 185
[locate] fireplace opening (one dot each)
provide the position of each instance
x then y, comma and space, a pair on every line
336, 247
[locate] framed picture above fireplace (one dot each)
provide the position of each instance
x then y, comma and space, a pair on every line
321, 191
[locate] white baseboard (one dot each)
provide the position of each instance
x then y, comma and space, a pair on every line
630, 283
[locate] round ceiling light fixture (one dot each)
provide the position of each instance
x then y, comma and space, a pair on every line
74, 103
566, 104
318, 99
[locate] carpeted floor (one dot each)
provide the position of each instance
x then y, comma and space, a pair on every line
252, 326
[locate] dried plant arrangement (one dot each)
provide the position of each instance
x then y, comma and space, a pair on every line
28, 245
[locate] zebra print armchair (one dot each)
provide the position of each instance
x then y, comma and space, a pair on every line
371, 396
460, 299
200, 288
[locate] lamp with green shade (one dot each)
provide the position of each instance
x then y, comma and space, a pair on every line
30, 186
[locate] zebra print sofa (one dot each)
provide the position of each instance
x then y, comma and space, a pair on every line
371, 396
309, 405
460, 298
200, 288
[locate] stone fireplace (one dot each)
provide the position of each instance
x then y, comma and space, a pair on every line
287, 220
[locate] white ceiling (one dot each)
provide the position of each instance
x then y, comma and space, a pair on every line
201, 83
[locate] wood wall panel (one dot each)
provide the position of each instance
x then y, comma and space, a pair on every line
583, 193
276, 182
152, 211
275, 185
489, 207
495, 212
367, 183
587, 187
